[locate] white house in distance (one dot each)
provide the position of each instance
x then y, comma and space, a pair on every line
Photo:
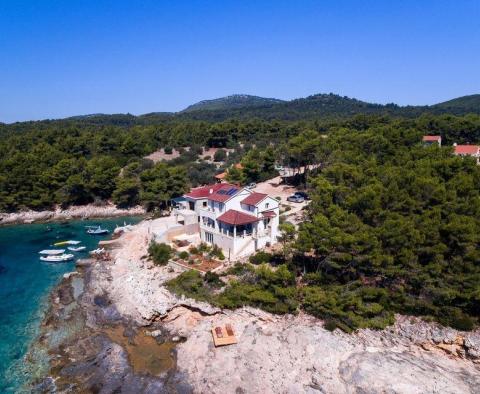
432, 139
467, 150
236, 219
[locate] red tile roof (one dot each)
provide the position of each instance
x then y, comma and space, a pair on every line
254, 198
225, 192
431, 138
222, 175
203, 191
466, 149
235, 217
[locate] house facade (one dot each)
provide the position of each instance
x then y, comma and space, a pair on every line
236, 219
432, 139
467, 150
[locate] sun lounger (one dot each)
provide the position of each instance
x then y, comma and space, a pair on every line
223, 335
229, 329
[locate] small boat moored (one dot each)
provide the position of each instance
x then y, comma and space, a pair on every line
76, 248
57, 259
70, 242
52, 252
96, 230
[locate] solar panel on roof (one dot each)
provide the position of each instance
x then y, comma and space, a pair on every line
232, 191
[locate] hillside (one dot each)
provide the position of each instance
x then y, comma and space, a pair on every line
463, 104
321, 106
245, 107
231, 102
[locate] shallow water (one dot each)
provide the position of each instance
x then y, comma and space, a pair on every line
25, 283
145, 354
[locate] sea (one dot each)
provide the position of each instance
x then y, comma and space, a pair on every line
25, 283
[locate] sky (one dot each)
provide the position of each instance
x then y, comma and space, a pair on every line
61, 58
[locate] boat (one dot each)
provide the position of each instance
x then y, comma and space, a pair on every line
96, 230
52, 252
70, 242
76, 248
97, 251
57, 259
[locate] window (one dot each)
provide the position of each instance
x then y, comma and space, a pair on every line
205, 204
209, 237
266, 205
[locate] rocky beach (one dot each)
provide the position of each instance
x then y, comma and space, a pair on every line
75, 212
113, 327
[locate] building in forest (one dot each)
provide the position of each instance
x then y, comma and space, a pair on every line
238, 220
432, 139
467, 150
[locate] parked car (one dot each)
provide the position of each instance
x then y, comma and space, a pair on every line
295, 198
252, 185
302, 194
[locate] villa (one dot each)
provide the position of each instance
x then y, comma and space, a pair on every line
432, 139
467, 150
236, 219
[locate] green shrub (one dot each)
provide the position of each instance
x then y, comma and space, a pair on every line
159, 253
183, 255
168, 150
260, 258
455, 318
198, 150
239, 269
217, 252
194, 250
220, 155
203, 248
213, 279
189, 284
330, 325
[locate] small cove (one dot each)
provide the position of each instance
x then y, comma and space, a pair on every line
25, 283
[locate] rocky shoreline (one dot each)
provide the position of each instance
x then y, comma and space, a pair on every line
113, 328
75, 212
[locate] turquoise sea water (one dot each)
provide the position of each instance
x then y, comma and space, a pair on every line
25, 283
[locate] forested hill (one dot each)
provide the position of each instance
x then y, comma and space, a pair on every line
461, 104
246, 108
327, 106
234, 101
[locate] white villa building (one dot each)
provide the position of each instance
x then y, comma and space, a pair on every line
236, 219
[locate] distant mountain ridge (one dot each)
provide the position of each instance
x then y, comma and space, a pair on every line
232, 101
322, 105
243, 106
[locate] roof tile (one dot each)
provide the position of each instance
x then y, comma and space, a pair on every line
254, 198
235, 217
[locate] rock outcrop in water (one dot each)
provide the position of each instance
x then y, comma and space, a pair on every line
115, 328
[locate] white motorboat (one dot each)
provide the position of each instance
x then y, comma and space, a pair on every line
52, 252
57, 259
76, 248
96, 230
70, 242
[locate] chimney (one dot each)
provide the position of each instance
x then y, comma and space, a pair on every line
454, 144
210, 191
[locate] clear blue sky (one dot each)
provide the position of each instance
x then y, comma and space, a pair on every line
63, 57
